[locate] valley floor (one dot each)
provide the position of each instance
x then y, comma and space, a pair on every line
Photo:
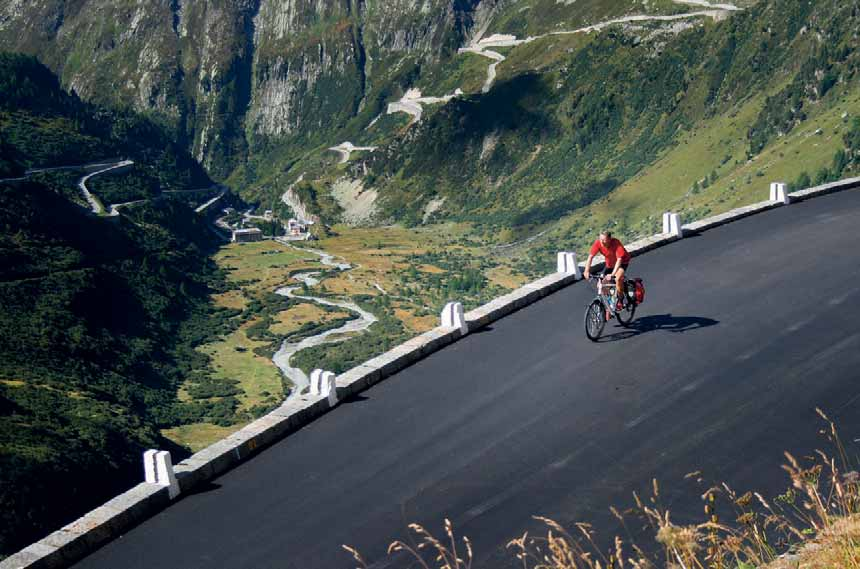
401, 276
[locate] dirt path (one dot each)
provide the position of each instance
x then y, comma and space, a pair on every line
345, 149
412, 103
481, 46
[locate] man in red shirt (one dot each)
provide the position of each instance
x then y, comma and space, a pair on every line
617, 261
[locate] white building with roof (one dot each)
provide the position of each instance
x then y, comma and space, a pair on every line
247, 235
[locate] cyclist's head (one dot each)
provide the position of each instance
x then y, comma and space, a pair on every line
605, 236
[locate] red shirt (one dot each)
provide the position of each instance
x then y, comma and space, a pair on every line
611, 252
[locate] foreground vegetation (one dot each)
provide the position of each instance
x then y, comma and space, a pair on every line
815, 524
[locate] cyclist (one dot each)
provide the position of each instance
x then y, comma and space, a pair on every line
617, 261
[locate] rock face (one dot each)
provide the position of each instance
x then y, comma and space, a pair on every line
228, 75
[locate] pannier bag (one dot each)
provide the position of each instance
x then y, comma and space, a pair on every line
639, 290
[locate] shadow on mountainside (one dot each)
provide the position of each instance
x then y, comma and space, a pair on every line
661, 323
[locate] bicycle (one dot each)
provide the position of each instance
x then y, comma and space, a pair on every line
603, 307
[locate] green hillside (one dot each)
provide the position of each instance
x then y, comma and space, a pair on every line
43, 126
578, 116
99, 316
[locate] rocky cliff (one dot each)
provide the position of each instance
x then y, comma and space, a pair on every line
232, 74
512, 112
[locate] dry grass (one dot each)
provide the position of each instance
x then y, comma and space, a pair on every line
198, 436
417, 324
504, 276
351, 283
446, 555
837, 546
233, 358
230, 299
814, 525
378, 255
267, 264
431, 269
290, 320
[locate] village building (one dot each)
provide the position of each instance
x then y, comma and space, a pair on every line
247, 235
296, 228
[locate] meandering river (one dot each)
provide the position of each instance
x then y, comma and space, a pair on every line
288, 349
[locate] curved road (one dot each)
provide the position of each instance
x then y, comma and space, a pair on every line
746, 329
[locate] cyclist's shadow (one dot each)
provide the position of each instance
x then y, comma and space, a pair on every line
661, 323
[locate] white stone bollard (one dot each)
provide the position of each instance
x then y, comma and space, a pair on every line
323, 383
150, 473
316, 387
328, 387
567, 264
779, 193
158, 468
452, 317
672, 224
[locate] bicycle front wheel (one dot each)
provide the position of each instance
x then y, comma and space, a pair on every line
595, 320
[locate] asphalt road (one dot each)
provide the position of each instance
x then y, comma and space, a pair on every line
745, 330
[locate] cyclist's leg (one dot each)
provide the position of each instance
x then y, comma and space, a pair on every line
619, 284
610, 311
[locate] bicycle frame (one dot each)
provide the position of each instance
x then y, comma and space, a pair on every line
605, 290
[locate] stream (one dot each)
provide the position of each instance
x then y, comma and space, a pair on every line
288, 349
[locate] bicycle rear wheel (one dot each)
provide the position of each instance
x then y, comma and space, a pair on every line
625, 315
595, 320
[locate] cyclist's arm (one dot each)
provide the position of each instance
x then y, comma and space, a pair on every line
595, 248
587, 272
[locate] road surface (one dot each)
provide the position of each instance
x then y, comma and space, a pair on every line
745, 330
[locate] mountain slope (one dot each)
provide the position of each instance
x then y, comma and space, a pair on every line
549, 137
100, 315
229, 75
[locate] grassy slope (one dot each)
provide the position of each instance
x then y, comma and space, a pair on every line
536, 167
636, 207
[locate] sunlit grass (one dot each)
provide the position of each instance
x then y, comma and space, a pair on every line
718, 146
290, 320
197, 436
233, 358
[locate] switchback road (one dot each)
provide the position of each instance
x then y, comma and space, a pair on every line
746, 329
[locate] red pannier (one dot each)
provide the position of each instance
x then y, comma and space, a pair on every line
639, 290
